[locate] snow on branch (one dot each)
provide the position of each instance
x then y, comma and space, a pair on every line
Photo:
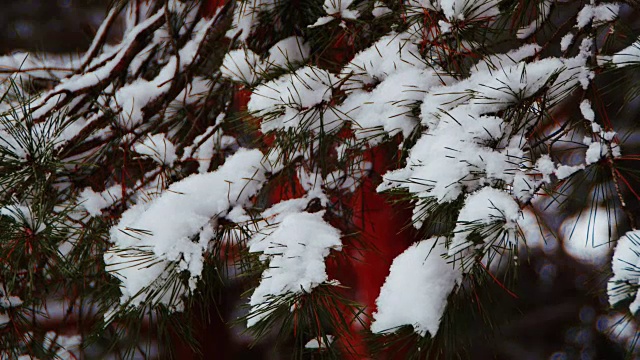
295, 248
174, 229
288, 101
479, 102
415, 292
624, 286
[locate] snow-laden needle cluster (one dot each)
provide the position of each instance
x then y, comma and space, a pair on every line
257, 128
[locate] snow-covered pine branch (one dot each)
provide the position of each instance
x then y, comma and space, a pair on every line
261, 126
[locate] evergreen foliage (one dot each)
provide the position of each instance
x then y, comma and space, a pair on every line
237, 148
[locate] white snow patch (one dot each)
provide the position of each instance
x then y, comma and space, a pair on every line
336, 9
597, 14
416, 290
296, 250
95, 202
288, 101
380, 9
288, 51
158, 148
321, 343
566, 41
595, 152
587, 111
152, 237
242, 65
624, 283
484, 207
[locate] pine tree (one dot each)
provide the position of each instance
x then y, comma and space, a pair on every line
364, 177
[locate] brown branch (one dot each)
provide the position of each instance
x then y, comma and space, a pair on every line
101, 36
124, 58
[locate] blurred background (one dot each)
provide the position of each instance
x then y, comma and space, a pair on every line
58, 26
